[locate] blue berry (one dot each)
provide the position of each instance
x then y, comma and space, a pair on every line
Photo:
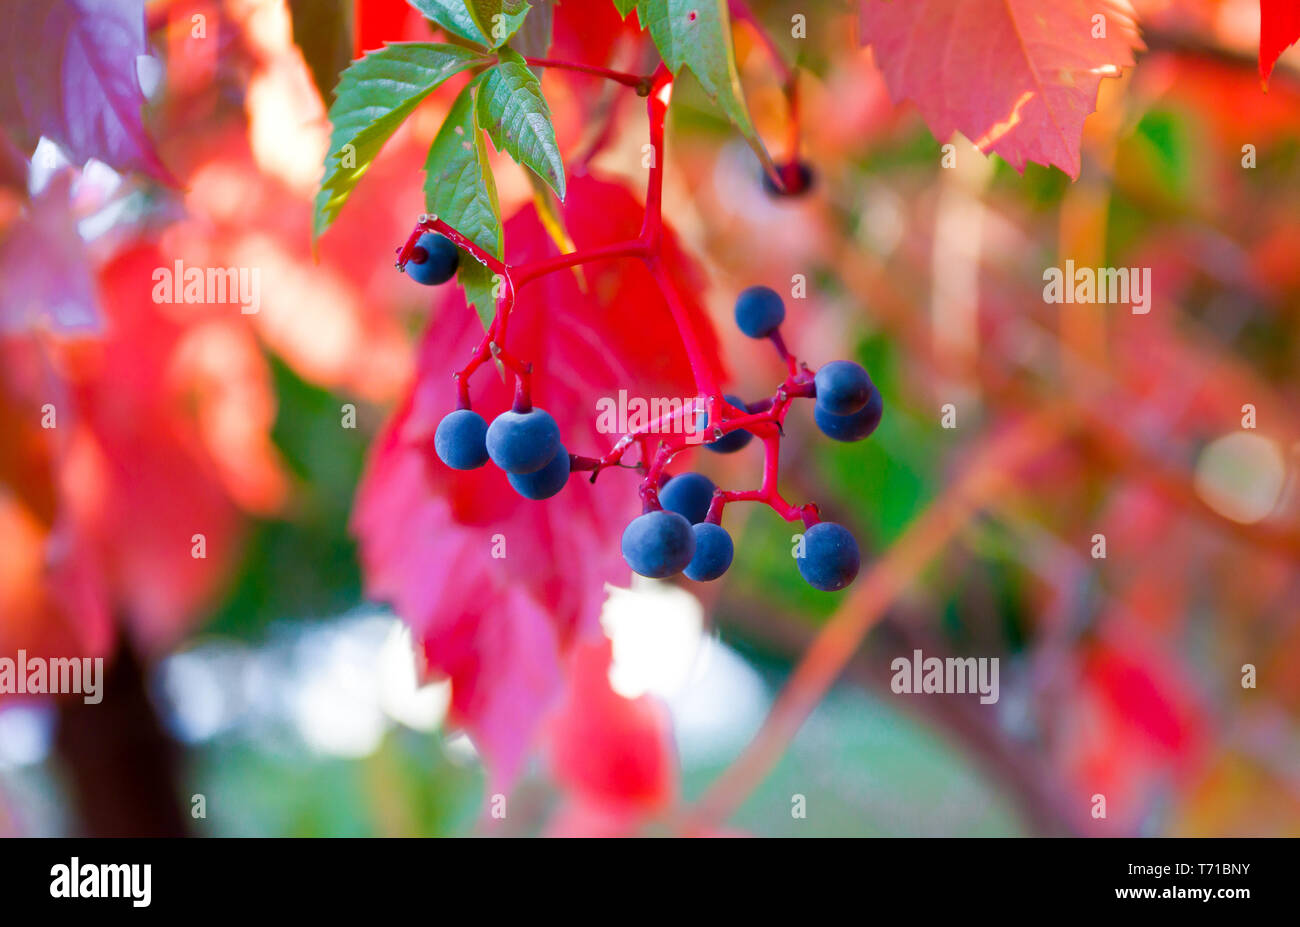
658, 544
688, 495
523, 442
713, 552
853, 427
843, 387
732, 441
461, 440
759, 310
433, 259
830, 558
544, 483
796, 175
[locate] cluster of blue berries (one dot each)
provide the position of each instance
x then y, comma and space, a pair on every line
523, 442
678, 536
679, 539
848, 404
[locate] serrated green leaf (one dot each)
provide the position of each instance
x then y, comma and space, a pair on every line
374, 95
497, 19
514, 113
697, 34
624, 7
458, 184
453, 16
459, 189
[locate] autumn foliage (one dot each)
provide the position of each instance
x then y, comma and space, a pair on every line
156, 456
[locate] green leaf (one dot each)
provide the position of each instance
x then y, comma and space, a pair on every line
513, 111
479, 283
696, 34
624, 7
453, 16
458, 184
459, 189
372, 99
497, 19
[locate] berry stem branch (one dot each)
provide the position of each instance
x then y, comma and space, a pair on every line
765, 421
527, 273
637, 82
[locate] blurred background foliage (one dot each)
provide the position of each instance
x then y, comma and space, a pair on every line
295, 702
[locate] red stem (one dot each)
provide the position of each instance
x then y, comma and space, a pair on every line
640, 84
657, 110
527, 273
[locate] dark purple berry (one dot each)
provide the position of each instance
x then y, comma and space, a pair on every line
713, 552
843, 387
853, 427
523, 442
545, 482
433, 259
688, 495
830, 558
797, 176
759, 311
461, 440
658, 544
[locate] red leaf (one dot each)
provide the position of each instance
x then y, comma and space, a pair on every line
1016, 77
380, 21
591, 33
98, 515
74, 79
141, 480
609, 750
1279, 28
500, 627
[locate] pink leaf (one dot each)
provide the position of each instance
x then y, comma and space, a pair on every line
501, 626
1016, 77
74, 79
45, 267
